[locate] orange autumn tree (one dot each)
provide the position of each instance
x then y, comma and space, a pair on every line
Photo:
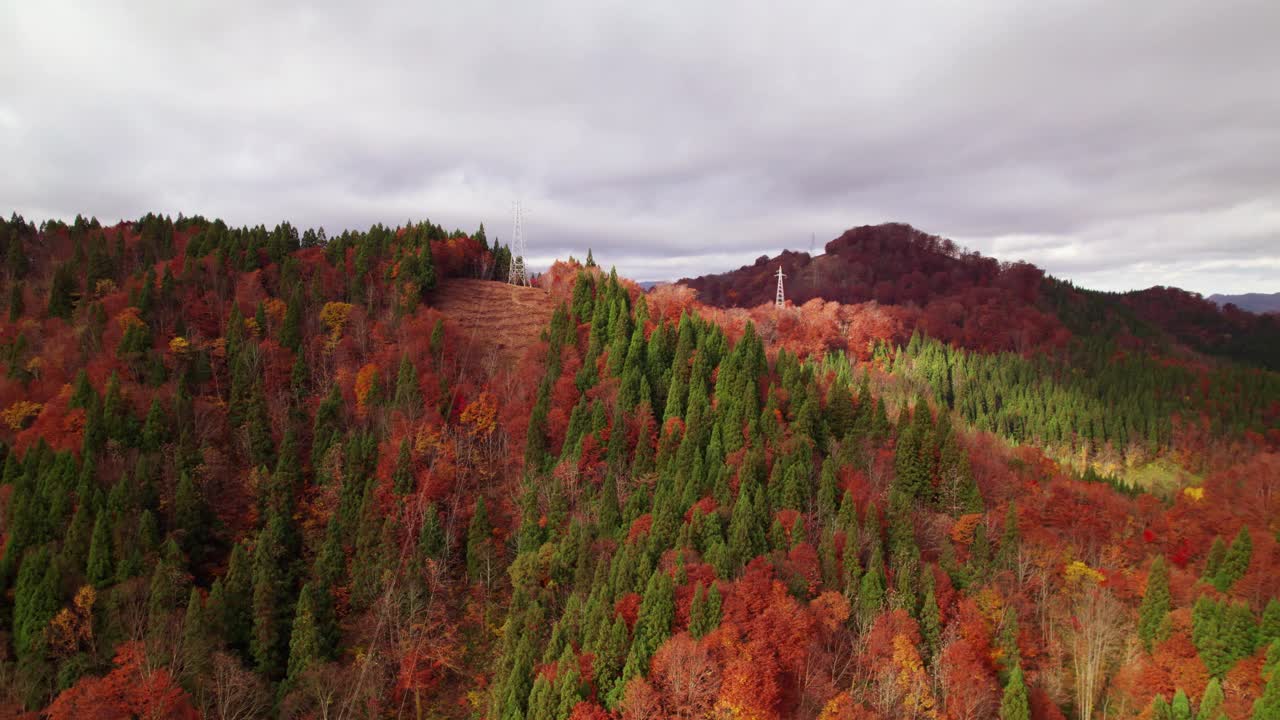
368, 389
129, 692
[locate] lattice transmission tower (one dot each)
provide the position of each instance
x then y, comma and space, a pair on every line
780, 302
516, 273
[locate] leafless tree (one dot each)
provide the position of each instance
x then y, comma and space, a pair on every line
1093, 634
234, 693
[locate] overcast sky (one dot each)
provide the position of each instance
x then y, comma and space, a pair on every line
1119, 144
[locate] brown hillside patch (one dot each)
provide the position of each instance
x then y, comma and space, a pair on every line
496, 319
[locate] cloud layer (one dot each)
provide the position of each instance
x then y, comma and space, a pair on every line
1118, 144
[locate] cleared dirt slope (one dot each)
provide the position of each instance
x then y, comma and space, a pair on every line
500, 319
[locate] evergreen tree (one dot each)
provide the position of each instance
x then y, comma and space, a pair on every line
197, 638
62, 290
1267, 707
291, 328
1014, 705
1235, 562
100, 569
272, 598
1213, 562
35, 600
1180, 708
402, 478
653, 625
1270, 628
1211, 702
191, 516
156, 428
408, 397
305, 642
1155, 603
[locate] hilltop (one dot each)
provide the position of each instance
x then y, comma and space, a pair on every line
929, 283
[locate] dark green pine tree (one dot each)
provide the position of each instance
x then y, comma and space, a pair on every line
35, 600
1156, 603
370, 558
431, 540
930, 614
262, 448
272, 604
408, 396
155, 431
100, 568
62, 290
305, 641
1213, 562
1240, 631
613, 653
402, 478
191, 517
1235, 562
17, 302
328, 573
291, 328
1269, 630
1208, 633
872, 588
436, 343
704, 613
169, 585
542, 701
1014, 705
653, 625
198, 639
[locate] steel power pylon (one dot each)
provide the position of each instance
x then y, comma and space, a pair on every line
780, 302
516, 273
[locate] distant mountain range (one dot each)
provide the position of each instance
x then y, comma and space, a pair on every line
1253, 302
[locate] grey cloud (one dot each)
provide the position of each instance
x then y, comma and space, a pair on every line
1121, 145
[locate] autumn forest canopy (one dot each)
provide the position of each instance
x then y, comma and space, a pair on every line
252, 472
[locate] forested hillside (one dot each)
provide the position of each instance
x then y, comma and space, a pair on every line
263, 473
959, 296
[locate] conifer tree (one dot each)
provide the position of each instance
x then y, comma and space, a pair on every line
1235, 562
305, 643
291, 327
1213, 561
1180, 708
1211, 702
1269, 630
407, 397
930, 614
1014, 705
1156, 603
197, 637
653, 625
612, 655
100, 568
35, 599
272, 604
1267, 707
402, 478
